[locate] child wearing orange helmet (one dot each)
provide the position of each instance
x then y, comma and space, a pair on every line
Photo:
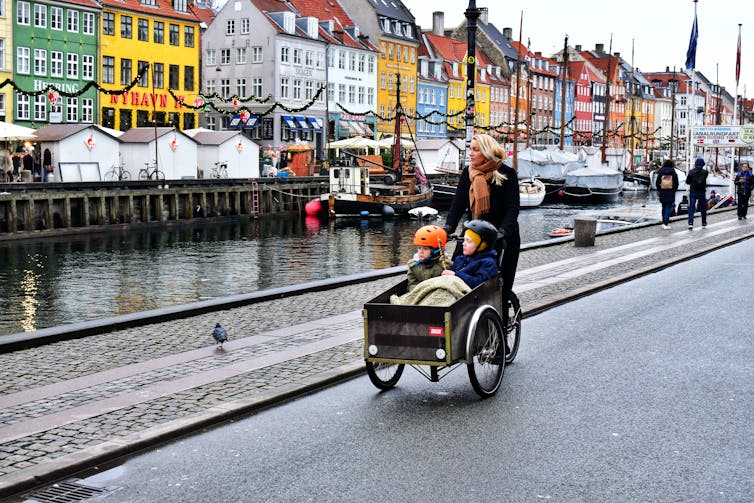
427, 263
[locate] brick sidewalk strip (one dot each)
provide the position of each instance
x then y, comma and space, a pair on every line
67, 405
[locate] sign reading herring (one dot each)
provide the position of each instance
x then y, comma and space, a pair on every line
723, 136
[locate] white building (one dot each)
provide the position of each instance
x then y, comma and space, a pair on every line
78, 152
236, 152
174, 153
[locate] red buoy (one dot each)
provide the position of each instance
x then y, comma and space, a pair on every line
313, 207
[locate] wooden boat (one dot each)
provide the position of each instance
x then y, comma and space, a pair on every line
531, 192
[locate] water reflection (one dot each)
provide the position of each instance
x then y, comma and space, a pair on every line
56, 281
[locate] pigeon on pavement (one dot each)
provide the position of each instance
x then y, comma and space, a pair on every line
220, 334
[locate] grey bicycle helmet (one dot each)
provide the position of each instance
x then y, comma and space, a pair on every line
485, 230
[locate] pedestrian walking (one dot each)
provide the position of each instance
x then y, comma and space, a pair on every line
666, 184
744, 183
697, 182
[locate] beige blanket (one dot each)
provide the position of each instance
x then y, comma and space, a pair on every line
437, 291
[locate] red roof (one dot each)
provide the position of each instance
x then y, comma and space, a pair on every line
161, 8
329, 10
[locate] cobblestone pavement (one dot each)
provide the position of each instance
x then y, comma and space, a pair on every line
70, 404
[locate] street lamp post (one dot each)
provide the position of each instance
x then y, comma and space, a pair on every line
472, 14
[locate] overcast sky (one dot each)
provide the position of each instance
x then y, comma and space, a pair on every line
659, 29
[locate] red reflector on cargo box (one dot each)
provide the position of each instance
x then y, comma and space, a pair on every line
436, 331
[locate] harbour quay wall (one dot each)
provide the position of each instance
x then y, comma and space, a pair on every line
38, 209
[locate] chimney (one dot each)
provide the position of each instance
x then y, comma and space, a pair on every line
599, 47
616, 54
484, 15
438, 23
577, 47
667, 69
508, 33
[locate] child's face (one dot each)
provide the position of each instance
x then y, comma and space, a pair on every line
423, 252
468, 245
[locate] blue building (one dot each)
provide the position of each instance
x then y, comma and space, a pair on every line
569, 116
431, 96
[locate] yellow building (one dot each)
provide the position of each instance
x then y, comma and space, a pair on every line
398, 57
6, 65
162, 36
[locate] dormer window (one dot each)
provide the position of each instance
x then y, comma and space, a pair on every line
289, 22
180, 5
312, 27
385, 22
148, 2
407, 30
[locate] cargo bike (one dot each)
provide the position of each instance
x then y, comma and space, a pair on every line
435, 340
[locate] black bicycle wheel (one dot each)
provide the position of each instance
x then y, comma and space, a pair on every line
486, 351
159, 175
384, 375
125, 175
143, 174
512, 328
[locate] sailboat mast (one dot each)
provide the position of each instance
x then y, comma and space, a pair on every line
563, 93
606, 124
518, 93
397, 132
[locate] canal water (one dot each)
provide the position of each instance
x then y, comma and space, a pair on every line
56, 281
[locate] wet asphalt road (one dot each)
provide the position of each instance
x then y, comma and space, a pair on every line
642, 392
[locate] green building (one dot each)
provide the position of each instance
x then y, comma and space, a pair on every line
55, 43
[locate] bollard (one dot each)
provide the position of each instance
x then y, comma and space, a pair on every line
584, 230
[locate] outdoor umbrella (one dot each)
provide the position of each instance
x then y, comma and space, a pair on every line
14, 132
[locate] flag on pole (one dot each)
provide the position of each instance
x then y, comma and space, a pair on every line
738, 56
691, 53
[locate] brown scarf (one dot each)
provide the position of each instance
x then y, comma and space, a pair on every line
479, 192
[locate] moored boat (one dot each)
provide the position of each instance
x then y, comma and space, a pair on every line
591, 184
531, 192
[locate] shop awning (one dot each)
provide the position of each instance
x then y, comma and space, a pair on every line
289, 120
303, 125
314, 122
355, 128
367, 129
253, 119
235, 122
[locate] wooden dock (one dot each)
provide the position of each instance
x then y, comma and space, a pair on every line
38, 209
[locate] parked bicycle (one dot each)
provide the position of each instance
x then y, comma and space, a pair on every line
219, 170
117, 172
150, 171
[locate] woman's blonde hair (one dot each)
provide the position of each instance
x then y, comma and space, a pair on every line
492, 150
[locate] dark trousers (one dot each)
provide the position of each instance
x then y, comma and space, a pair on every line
697, 202
743, 203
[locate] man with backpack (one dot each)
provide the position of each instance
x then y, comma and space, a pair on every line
666, 185
697, 182
744, 184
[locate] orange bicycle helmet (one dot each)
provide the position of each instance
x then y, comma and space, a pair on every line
431, 235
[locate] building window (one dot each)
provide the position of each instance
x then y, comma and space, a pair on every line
143, 30
352, 61
330, 91
72, 109
362, 60
225, 88
87, 110
371, 65
210, 57
72, 71
256, 54
230, 27
342, 93
108, 68
125, 71
22, 106
40, 107
56, 18
143, 76
211, 123
351, 94
309, 90
180, 5
342, 59
245, 26
256, 86
88, 25
174, 35
23, 16
87, 67
188, 36
56, 64
309, 58
296, 56
240, 55
284, 85
108, 23
241, 88
125, 26
40, 62
209, 86
224, 56
297, 89
320, 60
173, 76
73, 21
159, 32
188, 78
370, 96
40, 15
158, 75
23, 63
284, 52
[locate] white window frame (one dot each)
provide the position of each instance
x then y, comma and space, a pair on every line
87, 110
23, 106
56, 18
88, 23
256, 54
23, 60
23, 13
72, 21
245, 26
72, 65
40, 107
87, 67
240, 55
40, 15
256, 86
210, 57
72, 109
40, 62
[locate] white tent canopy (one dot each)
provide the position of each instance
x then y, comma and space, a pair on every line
12, 132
